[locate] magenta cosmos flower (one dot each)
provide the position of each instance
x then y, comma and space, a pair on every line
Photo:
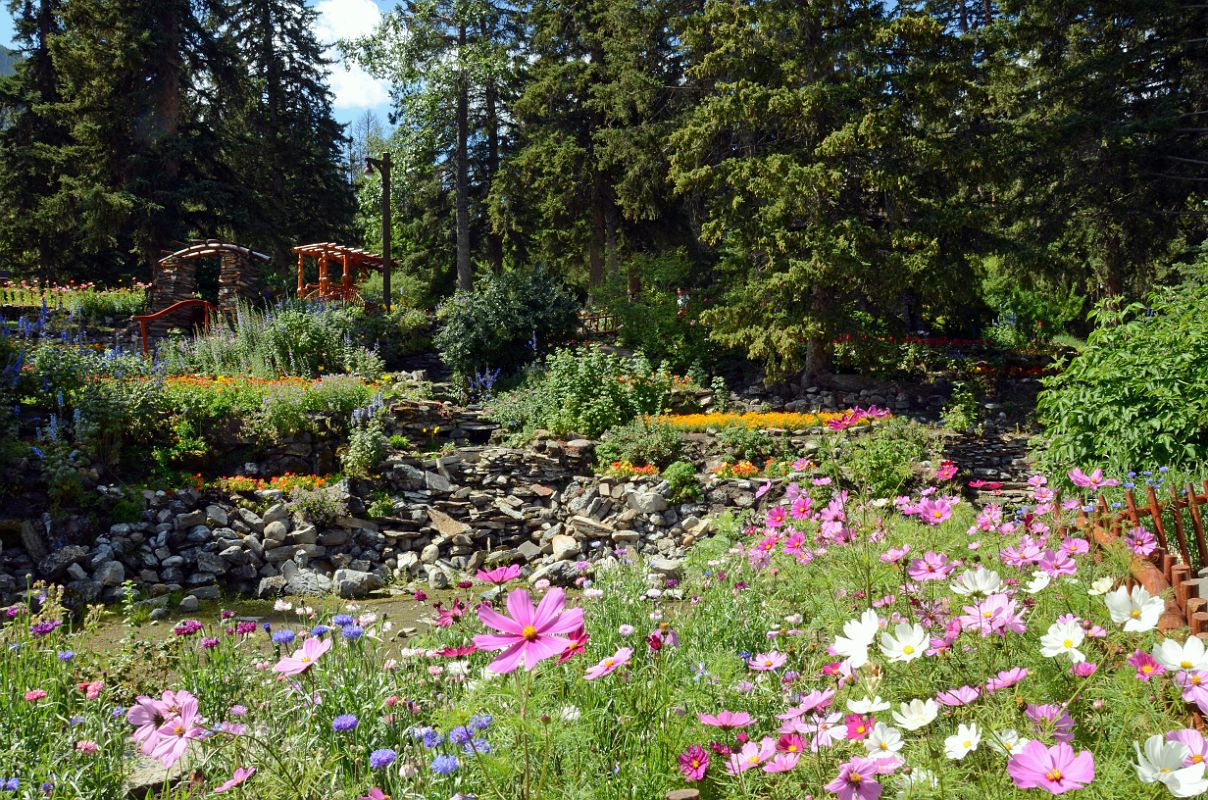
857, 780
693, 762
304, 657
610, 664
500, 575
531, 634
1055, 769
752, 755
1093, 481
238, 779
933, 511
766, 662
931, 567
173, 737
727, 720
1145, 665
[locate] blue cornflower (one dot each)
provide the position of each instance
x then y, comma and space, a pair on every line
432, 738
1163, 469
11, 785
460, 735
476, 745
267, 627
344, 722
444, 765
352, 632
1129, 485
284, 636
480, 721
76, 720
66, 655
319, 630
342, 619
380, 759
745, 655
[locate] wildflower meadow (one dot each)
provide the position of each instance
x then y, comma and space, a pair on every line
829, 646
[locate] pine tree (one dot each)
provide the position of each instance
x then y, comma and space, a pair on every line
286, 149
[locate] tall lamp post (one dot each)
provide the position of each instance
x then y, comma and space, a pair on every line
382, 166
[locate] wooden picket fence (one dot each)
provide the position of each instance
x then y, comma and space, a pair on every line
1177, 560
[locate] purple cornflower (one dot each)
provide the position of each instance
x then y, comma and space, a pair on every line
444, 765
43, 628
380, 759
187, 628
344, 722
209, 643
284, 636
66, 655
352, 632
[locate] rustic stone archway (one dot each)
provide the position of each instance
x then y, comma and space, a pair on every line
175, 278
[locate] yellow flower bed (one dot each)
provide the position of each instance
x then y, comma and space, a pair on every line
751, 419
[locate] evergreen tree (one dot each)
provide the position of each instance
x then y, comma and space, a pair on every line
286, 149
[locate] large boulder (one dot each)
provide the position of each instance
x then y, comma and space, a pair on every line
355, 583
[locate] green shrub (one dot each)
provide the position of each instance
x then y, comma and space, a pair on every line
402, 332
366, 443
640, 442
748, 444
1027, 315
585, 391
1137, 394
296, 338
881, 462
505, 322
320, 506
962, 413
682, 482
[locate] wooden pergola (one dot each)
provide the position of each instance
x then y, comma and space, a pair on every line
354, 262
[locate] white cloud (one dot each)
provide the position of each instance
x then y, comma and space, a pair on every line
344, 19
353, 87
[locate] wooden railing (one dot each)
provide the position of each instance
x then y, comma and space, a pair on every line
192, 302
599, 323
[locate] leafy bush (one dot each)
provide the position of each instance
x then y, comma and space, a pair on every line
320, 505
505, 322
881, 462
1026, 315
585, 391
748, 444
295, 338
682, 482
962, 412
367, 441
402, 332
1138, 393
640, 442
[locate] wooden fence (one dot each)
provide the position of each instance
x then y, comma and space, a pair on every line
1176, 561
599, 323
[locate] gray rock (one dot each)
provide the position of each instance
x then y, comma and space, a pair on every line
76, 572
304, 535
276, 530
529, 551
210, 562
251, 519
647, 502
429, 554
445, 524
190, 520
304, 581
277, 512
270, 587
671, 567
189, 603
111, 573
54, 565
355, 583
437, 483
158, 614
206, 593
217, 517
564, 547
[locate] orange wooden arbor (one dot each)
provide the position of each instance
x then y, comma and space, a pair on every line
354, 262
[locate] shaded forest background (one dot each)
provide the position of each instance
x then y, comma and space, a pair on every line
800, 171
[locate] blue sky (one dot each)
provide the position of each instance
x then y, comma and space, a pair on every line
355, 92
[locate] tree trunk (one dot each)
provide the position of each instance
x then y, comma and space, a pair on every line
494, 246
595, 249
818, 348
465, 277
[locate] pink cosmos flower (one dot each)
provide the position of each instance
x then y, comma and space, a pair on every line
776, 516
766, 662
1058, 563
1140, 541
752, 755
375, 794
782, 762
1084, 669
304, 657
610, 664
1006, 679
1055, 769
858, 727
173, 737
790, 743
958, 697
811, 702
802, 507
1052, 717
693, 762
86, 746
34, 695
1093, 481
764, 489
1147, 667
727, 720
1195, 743
1195, 688
531, 634
240, 777
500, 575
895, 554
933, 511
931, 567
857, 780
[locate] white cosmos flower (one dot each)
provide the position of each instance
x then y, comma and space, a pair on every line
858, 634
1138, 610
1040, 581
963, 742
916, 714
1189, 655
908, 642
1063, 639
917, 778
1101, 586
1162, 762
1008, 742
867, 705
977, 581
570, 713
883, 742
